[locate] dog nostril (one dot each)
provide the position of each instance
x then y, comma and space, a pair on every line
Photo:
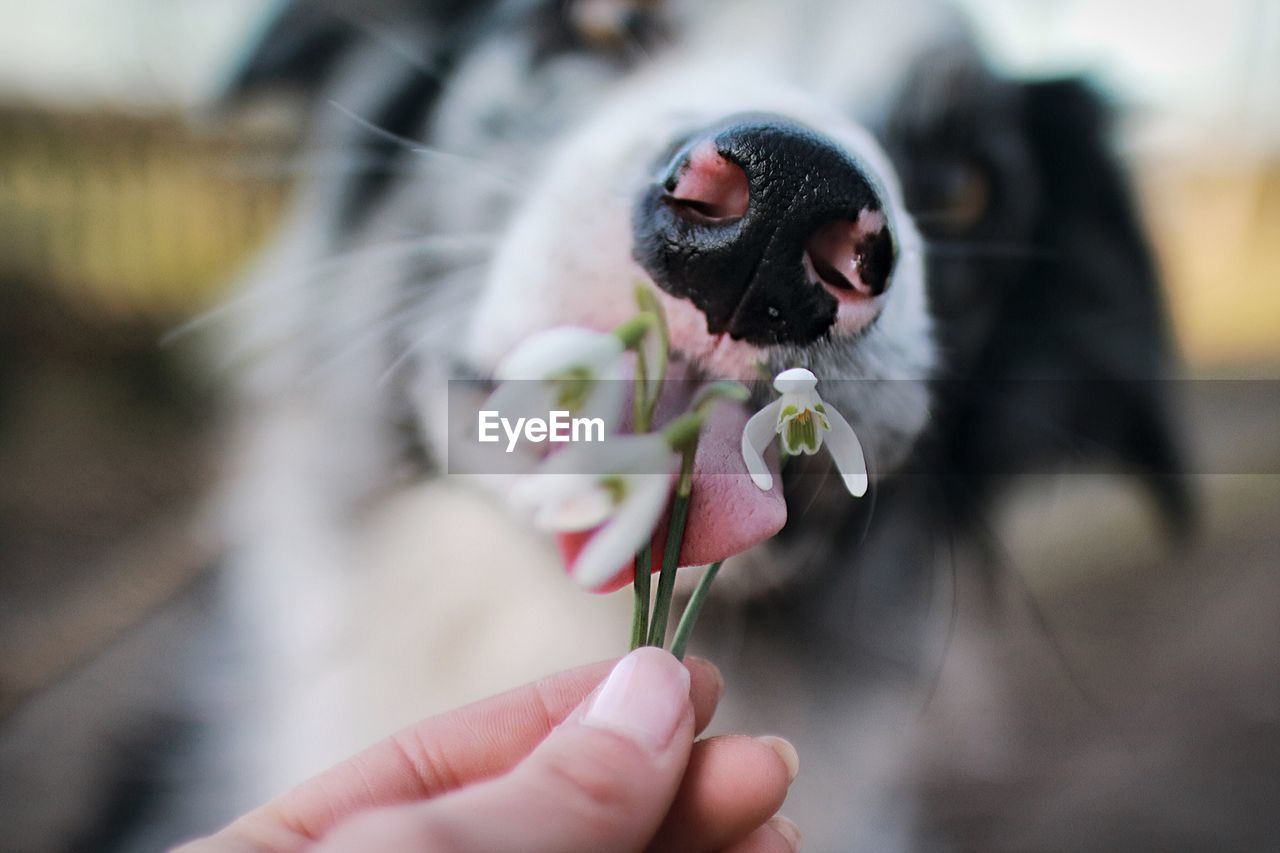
774, 232
852, 259
708, 187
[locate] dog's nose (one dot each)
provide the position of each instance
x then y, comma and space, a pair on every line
769, 228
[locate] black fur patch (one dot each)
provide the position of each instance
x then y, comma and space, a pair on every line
304, 40
308, 42
1087, 315
1054, 350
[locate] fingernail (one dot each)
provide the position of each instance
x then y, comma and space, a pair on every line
644, 698
786, 752
788, 830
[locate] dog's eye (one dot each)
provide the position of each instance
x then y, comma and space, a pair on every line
616, 28
604, 23
954, 196
961, 196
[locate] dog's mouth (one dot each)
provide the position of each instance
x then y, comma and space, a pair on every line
728, 513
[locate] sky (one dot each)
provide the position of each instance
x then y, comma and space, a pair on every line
1210, 59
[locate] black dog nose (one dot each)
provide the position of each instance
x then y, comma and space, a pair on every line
770, 229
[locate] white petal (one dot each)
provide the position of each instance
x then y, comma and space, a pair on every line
564, 493
555, 350
757, 434
646, 454
619, 454
579, 510
846, 450
562, 502
516, 398
520, 399
810, 400
617, 542
788, 400
606, 400
654, 350
539, 492
795, 380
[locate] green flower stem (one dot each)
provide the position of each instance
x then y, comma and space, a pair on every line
632, 332
641, 410
684, 630
671, 556
640, 616
650, 324
682, 433
655, 346
667, 577
723, 390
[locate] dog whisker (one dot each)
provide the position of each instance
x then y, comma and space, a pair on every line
390, 40
1004, 562
873, 499
953, 616
817, 487
404, 311
401, 314
433, 245
480, 167
633, 44
427, 332
436, 294
312, 164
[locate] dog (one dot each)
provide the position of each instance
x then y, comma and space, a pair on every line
843, 185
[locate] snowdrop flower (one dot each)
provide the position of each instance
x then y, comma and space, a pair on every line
617, 488
803, 422
563, 369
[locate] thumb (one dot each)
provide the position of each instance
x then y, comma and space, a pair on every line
603, 780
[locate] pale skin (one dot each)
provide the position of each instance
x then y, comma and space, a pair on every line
600, 758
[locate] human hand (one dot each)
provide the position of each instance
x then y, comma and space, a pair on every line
569, 763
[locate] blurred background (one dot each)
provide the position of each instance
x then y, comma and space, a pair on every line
127, 206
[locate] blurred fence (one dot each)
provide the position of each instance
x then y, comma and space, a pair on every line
145, 216
139, 215
113, 228
1214, 215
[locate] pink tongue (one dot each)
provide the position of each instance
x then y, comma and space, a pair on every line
728, 513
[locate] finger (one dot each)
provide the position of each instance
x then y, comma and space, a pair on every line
732, 786
706, 686
779, 835
441, 754
603, 780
